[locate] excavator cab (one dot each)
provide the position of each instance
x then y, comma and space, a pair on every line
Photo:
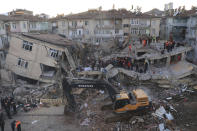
130, 101
121, 101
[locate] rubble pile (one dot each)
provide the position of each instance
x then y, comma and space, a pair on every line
26, 94
166, 113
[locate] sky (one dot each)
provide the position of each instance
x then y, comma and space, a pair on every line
54, 7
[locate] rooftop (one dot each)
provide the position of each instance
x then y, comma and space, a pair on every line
50, 38
4, 18
106, 14
28, 17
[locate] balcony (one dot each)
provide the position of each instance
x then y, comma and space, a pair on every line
180, 24
140, 26
76, 26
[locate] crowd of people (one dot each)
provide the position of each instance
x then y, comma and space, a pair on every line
126, 62
8, 104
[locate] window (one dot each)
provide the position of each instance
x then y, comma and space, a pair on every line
53, 53
116, 31
24, 25
153, 31
126, 25
117, 22
79, 32
153, 23
134, 21
27, 45
14, 25
74, 23
63, 23
121, 103
126, 34
33, 25
22, 63
86, 22
87, 32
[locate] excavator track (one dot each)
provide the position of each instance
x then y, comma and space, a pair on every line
107, 107
120, 117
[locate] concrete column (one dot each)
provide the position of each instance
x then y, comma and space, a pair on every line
183, 56
168, 61
152, 62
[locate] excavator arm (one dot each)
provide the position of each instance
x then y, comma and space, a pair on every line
88, 84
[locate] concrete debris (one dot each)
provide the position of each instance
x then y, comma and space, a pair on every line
35, 121
169, 116
160, 112
85, 122
162, 128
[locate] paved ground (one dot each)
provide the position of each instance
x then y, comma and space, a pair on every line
45, 119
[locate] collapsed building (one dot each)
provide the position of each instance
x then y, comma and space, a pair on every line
162, 65
35, 56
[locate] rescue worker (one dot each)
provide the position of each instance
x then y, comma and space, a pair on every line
13, 104
144, 43
2, 120
129, 65
145, 65
129, 49
170, 46
137, 67
167, 46
7, 107
16, 124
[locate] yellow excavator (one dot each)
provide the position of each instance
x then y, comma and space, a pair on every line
123, 103
129, 101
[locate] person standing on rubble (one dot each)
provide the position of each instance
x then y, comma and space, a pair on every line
7, 107
13, 105
129, 65
145, 65
16, 124
129, 49
167, 46
2, 120
2, 103
137, 67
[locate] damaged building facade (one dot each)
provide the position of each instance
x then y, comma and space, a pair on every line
35, 56
180, 24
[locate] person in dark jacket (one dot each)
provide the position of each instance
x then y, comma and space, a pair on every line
7, 107
2, 120
13, 105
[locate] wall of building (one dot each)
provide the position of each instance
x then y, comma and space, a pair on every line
2, 28
62, 27
155, 27
19, 26
38, 55
38, 26
191, 35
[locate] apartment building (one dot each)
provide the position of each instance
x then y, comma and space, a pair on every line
98, 26
3, 31
180, 25
191, 35
91, 26
137, 25
34, 56
22, 21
